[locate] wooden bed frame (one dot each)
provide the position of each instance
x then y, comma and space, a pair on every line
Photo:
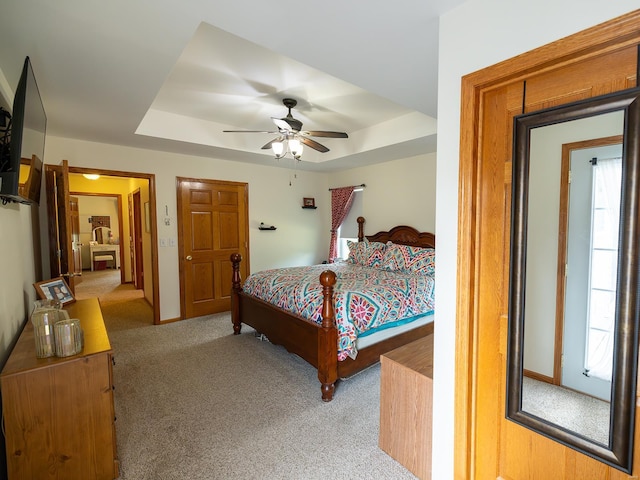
317, 344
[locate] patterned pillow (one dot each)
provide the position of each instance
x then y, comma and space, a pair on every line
409, 259
367, 254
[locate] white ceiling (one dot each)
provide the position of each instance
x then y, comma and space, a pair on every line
171, 76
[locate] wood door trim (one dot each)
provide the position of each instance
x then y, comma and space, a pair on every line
61, 256
137, 262
604, 38
561, 272
49, 173
76, 252
151, 178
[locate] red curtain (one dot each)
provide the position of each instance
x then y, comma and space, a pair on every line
341, 200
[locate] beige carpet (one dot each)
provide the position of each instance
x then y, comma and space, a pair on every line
122, 304
573, 410
195, 402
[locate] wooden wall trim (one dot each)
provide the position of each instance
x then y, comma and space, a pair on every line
599, 40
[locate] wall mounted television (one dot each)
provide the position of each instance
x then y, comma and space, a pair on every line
22, 145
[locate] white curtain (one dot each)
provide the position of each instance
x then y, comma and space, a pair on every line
607, 183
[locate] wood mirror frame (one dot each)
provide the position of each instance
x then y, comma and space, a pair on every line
619, 451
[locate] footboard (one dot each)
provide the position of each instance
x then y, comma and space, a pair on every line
317, 344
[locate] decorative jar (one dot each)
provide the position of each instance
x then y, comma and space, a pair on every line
45, 314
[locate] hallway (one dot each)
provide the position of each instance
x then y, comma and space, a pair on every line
123, 307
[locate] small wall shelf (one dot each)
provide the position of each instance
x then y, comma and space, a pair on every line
266, 227
309, 207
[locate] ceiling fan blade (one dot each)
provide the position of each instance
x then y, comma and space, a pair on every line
268, 145
248, 131
281, 124
321, 133
313, 144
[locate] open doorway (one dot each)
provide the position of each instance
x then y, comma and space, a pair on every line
117, 256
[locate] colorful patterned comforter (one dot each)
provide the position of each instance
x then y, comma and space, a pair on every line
366, 299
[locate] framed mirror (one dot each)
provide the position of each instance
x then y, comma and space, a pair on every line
102, 235
574, 272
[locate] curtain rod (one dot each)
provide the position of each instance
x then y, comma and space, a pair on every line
595, 160
362, 185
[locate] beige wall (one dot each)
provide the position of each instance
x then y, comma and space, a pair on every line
301, 237
400, 192
271, 200
19, 268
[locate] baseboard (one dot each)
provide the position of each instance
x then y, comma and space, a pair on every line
537, 376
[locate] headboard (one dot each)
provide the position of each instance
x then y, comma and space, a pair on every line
402, 235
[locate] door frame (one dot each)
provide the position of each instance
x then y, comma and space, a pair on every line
137, 263
59, 222
599, 40
151, 178
76, 246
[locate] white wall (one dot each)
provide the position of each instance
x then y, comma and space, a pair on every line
20, 268
20, 265
271, 200
477, 34
400, 192
302, 236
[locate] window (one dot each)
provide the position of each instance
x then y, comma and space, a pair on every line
349, 228
605, 215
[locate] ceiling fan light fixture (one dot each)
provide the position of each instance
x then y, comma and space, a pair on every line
295, 147
278, 149
291, 137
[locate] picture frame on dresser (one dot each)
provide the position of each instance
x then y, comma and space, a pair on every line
54, 289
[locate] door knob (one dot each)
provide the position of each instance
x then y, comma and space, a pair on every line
189, 257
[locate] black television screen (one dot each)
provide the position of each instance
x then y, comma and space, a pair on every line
21, 162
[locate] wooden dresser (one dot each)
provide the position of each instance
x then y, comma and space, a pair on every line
59, 412
406, 405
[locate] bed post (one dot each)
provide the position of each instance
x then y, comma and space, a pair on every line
236, 288
328, 339
360, 221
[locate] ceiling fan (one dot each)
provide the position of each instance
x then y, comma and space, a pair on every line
290, 131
